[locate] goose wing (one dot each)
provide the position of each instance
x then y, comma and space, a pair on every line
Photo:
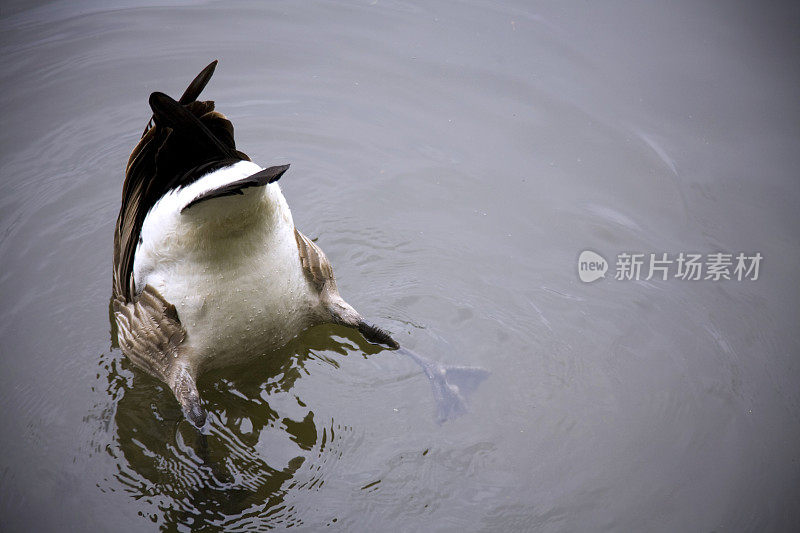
151, 335
149, 331
316, 266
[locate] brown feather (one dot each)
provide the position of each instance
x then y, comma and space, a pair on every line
315, 264
150, 333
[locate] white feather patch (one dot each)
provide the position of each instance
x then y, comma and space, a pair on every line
230, 266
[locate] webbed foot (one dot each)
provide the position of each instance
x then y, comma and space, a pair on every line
451, 384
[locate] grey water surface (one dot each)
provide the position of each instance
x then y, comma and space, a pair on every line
453, 159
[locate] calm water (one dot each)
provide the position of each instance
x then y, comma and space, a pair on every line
453, 161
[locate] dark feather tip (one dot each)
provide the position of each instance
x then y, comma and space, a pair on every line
198, 84
377, 335
259, 179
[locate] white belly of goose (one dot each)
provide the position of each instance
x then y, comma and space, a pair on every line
230, 266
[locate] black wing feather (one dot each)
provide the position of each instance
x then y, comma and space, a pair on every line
198, 84
193, 90
200, 141
259, 179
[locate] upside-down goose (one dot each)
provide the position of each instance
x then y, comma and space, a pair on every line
208, 266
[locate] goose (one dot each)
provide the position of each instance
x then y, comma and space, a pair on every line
208, 267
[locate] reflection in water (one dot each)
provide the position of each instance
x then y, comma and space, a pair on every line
260, 433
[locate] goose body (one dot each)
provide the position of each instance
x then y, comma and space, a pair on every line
230, 266
209, 269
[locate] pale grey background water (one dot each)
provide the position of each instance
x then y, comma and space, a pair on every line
453, 159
